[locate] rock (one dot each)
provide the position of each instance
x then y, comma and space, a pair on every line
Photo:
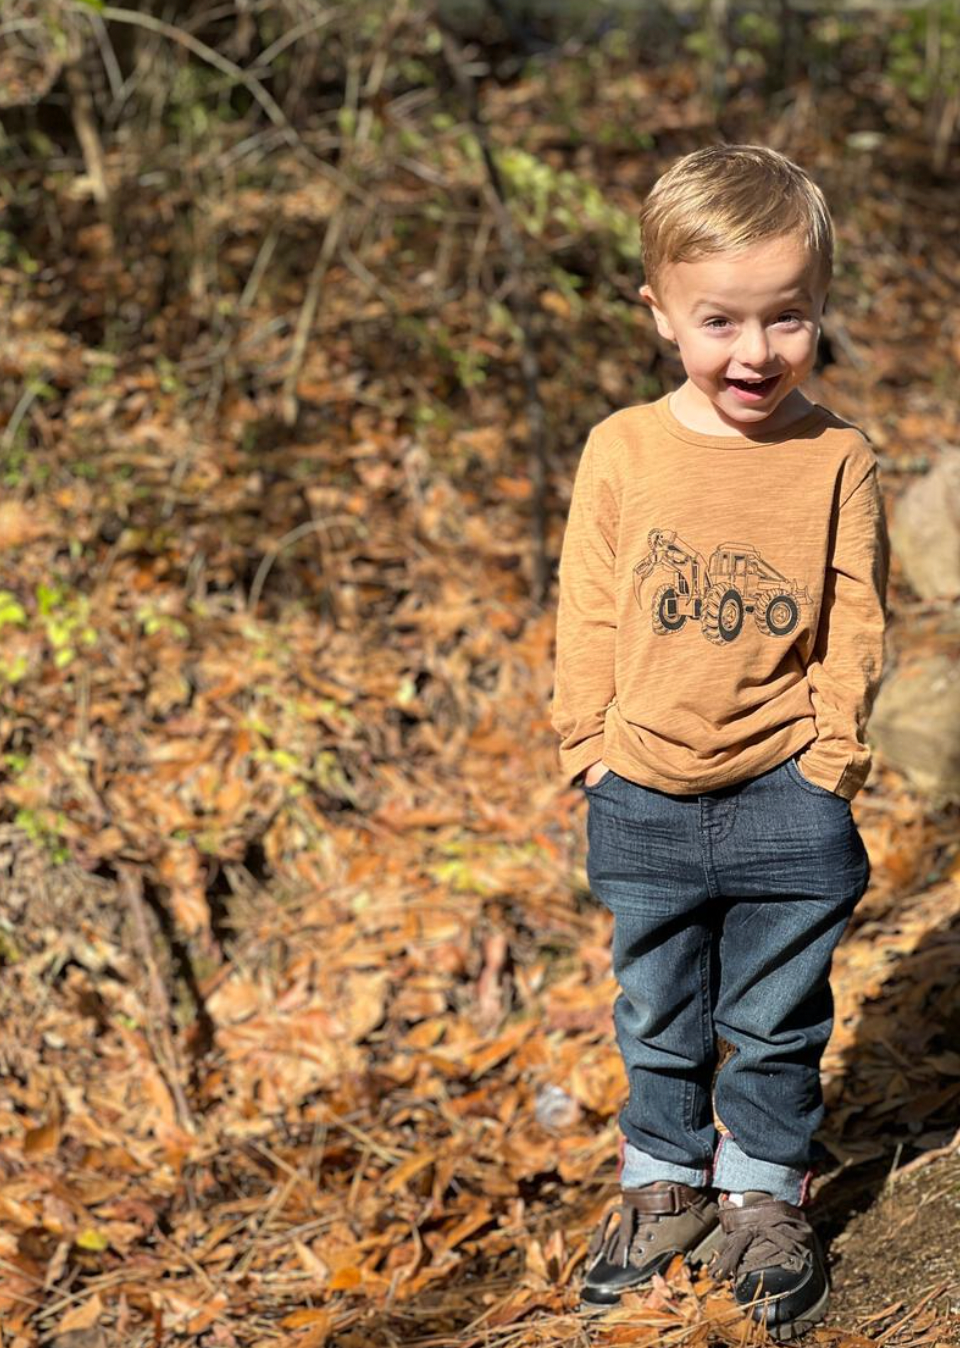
555, 1109
925, 531
915, 724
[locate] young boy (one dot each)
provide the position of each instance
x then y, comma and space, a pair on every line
719, 646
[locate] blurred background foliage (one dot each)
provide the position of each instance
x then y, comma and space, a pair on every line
306, 309
240, 200
162, 142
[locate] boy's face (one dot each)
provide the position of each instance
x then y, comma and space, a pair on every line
746, 325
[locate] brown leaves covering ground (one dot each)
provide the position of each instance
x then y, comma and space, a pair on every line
391, 993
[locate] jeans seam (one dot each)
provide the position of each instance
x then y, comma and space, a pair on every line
706, 856
689, 1091
812, 788
706, 1016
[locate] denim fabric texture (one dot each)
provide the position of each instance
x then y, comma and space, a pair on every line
727, 908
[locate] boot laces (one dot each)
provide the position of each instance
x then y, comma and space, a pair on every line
627, 1237
774, 1241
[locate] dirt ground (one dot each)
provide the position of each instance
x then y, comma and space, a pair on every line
897, 1255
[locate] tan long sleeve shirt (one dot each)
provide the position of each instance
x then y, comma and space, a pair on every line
722, 603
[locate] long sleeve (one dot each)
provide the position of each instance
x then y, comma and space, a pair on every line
845, 671
586, 617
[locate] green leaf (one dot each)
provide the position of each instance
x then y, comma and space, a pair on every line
48, 597
12, 671
9, 950
11, 610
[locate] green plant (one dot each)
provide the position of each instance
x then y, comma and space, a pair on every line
11, 610
924, 51
152, 621
37, 826
438, 343
64, 616
13, 443
548, 199
13, 254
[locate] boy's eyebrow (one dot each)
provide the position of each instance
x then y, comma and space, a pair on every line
797, 293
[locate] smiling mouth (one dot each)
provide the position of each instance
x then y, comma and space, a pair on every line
754, 385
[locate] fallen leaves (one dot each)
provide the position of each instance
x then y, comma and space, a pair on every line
21, 523
293, 678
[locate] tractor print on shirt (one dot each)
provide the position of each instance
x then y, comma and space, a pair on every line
719, 592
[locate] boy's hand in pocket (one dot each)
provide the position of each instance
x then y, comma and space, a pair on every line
595, 773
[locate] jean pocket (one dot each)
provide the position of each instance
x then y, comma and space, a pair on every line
598, 783
795, 775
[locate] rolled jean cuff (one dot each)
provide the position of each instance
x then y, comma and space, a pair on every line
637, 1169
735, 1172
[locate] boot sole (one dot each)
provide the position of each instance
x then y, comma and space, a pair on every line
698, 1255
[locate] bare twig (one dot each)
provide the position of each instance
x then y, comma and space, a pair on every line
240, 76
913, 1312
266, 58
214, 58
19, 412
107, 55
165, 1051
260, 265
81, 106
935, 1154
521, 306
943, 135
294, 535
311, 303
308, 312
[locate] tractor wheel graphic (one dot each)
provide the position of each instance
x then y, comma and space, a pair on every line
666, 619
778, 616
722, 616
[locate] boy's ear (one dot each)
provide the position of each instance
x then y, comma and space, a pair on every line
664, 326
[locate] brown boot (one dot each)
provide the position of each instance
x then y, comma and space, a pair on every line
656, 1222
773, 1258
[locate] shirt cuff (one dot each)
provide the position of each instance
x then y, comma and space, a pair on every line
576, 760
846, 783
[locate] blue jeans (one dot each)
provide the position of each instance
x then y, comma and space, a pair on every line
727, 908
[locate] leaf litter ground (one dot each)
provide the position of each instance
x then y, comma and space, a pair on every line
359, 1083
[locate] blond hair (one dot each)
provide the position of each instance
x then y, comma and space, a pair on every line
725, 198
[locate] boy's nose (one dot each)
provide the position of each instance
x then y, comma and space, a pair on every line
754, 346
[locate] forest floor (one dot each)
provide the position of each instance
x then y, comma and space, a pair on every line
308, 1004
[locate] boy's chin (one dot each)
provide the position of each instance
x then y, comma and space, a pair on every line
748, 411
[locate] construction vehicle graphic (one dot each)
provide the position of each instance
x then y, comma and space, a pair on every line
719, 592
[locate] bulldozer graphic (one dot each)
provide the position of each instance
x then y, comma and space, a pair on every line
719, 593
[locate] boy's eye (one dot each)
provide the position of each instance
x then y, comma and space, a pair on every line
717, 324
